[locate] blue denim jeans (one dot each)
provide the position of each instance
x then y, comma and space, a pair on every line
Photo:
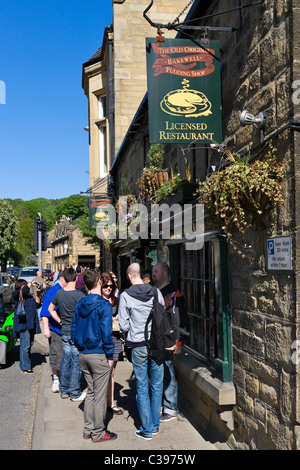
26, 343
149, 393
170, 401
70, 372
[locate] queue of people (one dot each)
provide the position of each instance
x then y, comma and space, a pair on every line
87, 321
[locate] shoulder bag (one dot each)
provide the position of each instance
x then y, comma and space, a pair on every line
20, 312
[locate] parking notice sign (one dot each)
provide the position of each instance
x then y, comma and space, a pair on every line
279, 252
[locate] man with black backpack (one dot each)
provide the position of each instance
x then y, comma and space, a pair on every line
174, 302
135, 306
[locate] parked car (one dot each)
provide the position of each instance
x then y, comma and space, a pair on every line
6, 288
13, 271
48, 273
28, 273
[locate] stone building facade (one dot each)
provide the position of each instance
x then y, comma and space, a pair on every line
67, 247
114, 81
260, 63
239, 373
115, 78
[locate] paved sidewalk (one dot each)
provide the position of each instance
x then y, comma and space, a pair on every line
58, 423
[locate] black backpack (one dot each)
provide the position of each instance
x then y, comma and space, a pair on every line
165, 324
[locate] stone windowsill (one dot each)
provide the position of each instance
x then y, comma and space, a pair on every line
194, 370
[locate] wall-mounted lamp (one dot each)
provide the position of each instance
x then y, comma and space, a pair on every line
248, 119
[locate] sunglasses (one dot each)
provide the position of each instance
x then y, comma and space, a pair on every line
107, 286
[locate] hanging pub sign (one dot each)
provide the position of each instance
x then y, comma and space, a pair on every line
100, 211
184, 91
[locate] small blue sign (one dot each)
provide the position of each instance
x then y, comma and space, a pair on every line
271, 247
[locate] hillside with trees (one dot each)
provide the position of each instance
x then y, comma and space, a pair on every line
20, 247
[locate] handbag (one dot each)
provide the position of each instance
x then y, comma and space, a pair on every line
115, 325
20, 312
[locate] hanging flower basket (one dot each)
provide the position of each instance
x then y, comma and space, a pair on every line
131, 199
241, 189
154, 175
177, 190
160, 177
150, 181
254, 200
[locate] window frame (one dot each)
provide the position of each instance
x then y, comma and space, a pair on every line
102, 128
221, 362
102, 133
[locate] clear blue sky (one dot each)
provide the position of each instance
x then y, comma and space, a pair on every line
43, 147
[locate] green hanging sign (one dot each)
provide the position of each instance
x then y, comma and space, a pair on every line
184, 91
100, 211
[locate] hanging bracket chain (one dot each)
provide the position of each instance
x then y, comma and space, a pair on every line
175, 24
182, 11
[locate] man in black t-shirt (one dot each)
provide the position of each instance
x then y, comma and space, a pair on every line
70, 372
174, 299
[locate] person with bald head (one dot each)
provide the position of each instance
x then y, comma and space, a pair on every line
134, 308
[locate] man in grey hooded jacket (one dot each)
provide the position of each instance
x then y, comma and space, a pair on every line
134, 308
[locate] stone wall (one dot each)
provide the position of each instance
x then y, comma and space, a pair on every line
257, 76
79, 247
130, 74
259, 63
263, 330
66, 244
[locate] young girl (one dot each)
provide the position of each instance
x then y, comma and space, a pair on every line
108, 292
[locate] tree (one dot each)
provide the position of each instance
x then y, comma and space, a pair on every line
73, 207
9, 226
51, 210
89, 234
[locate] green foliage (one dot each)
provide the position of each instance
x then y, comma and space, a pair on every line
242, 188
125, 186
170, 187
155, 156
89, 234
26, 231
148, 182
9, 226
73, 207
51, 210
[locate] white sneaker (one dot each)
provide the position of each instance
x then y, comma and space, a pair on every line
55, 386
80, 398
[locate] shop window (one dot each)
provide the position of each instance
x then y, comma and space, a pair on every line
201, 275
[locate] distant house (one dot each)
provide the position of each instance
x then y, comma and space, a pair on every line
67, 247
